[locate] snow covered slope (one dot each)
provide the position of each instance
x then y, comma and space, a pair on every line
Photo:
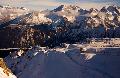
67, 62
37, 18
8, 13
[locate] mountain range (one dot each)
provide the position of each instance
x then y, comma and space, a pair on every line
65, 24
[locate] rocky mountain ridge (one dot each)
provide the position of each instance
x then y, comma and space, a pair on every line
64, 24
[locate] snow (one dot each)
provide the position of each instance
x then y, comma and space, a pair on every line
119, 18
4, 75
96, 59
72, 13
37, 18
66, 62
67, 11
8, 13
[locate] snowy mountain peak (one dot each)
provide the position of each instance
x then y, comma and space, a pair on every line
103, 9
71, 7
10, 7
93, 10
37, 18
111, 9
58, 8
66, 8
72, 13
7, 6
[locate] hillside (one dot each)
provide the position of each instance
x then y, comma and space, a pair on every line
69, 61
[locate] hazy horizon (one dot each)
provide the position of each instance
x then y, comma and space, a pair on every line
51, 4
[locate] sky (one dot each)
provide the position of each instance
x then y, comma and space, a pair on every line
51, 4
